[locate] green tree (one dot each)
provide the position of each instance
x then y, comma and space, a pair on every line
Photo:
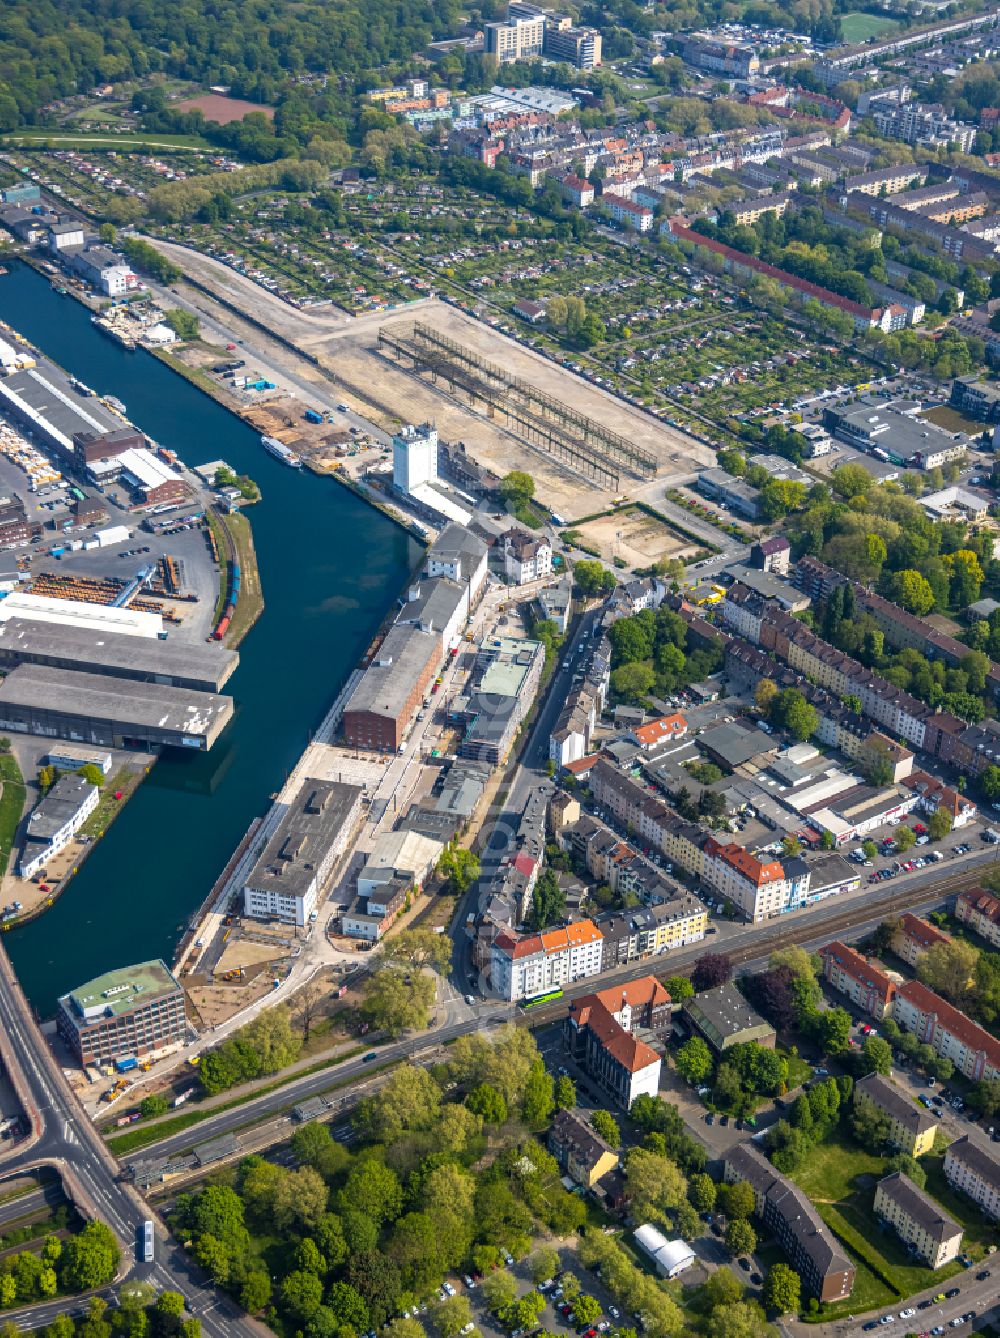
593, 579
90, 1258
452, 1315
459, 866
911, 591
632, 682
255, 1293
301, 1295
607, 1126
373, 1189
877, 1056
833, 1030
565, 1092
348, 1306
905, 838
656, 1185
396, 1001
539, 1096
548, 902
791, 711
543, 1264
587, 1310
679, 988
736, 1200
782, 1290
939, 824
487, 1102
702, 1192
499, 1290
694, 1061
741, 1237
91, 772
517, 488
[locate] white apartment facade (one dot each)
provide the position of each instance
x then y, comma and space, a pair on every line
523, 966
525, 557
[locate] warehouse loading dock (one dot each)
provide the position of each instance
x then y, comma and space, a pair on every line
116, 713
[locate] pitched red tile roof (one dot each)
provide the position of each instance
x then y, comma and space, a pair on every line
859, 968
666, 727
620, 1044
952, 1019
740, 859
985, 903
926, 935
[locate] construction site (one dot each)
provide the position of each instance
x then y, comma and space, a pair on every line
513, 408
431, 362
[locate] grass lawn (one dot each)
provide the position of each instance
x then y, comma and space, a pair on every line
859, 27
11, 805
798, 1070
830, 1172
124, 781
29, 138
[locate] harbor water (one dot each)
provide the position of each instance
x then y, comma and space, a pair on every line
330, 568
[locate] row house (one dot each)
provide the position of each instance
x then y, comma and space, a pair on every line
912, 937
834, 670
973, 1051
865, 984
972, 1165
980, 910
648, 931
525, 965
571, 736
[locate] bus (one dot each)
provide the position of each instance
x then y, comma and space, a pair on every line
549, 997
148, 1242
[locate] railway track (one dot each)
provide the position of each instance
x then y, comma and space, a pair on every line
760, 942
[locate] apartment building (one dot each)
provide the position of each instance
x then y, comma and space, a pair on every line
973, 1051
629, 212
919, 1221
924, 124
886, 180
291, 873
911, 1127
865, 984
136, 1011
524, 965
980, 910
55, 821
913, 936
520, 38
752, 210
761, 889
579, 1149
973, 1165
736, 60
600, 1033
934, 794
526, 557
786, 1211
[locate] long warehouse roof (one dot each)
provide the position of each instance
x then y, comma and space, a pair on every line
78, 613
116, 700
203, 665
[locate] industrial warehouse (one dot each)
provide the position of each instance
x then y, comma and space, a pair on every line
202, 668
117, 713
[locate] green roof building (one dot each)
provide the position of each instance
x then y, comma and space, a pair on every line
132, 1012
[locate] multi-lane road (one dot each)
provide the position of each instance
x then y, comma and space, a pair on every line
63, 1138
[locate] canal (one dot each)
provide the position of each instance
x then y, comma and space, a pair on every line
330, 567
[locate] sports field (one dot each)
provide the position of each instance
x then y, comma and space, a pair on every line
859, 27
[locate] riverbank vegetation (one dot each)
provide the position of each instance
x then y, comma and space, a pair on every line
12, 798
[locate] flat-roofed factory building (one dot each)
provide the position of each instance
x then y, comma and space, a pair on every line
113, 712
286, 882
136, 1011
202, 667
